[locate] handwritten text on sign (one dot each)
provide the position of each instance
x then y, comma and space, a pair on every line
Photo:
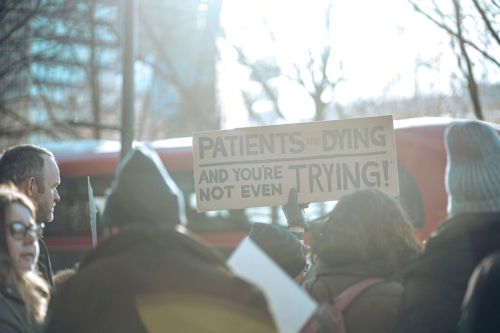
256, 166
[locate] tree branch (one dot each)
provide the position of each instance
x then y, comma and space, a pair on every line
473, 91
21, 23
486, 21
453, 33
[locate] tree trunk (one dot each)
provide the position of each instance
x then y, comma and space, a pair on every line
471, 82
94, 73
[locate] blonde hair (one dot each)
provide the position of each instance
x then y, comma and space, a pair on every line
33, 289
63, 275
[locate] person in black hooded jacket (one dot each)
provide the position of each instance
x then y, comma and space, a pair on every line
151, 275
436, 281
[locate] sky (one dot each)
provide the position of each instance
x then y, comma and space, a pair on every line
376, 44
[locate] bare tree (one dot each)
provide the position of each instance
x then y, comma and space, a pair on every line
316, 76
15, 17
86, 51
179, 49
474, 32
264, 72
51, 63
60, 68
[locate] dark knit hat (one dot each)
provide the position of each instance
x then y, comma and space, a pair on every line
143, 192
473, 167
281, 245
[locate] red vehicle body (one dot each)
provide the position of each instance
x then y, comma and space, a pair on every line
421, 163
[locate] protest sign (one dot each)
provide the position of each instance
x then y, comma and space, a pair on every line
257, 166
289, 304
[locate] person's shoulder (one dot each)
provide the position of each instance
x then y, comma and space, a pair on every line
11, 311
388, 289
455, 241
4, 303
9, 295
462, 225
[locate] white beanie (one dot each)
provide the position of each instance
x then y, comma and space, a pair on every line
473, 168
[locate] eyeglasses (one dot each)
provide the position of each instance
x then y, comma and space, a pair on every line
18, 230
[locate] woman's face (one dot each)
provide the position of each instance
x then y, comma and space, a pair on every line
22, 235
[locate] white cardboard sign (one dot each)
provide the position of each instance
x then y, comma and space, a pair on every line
289, 304
257, 166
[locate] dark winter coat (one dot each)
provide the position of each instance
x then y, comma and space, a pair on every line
13, 315
373, 311
44, 265
482, 299
435, 283
156, 280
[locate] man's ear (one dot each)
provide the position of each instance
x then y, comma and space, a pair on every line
28, 186
115, 230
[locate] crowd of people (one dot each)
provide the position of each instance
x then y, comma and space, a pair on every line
363, 265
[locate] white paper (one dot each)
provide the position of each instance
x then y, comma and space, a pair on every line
289, 304
92, 212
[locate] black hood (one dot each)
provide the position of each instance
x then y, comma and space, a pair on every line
143, 193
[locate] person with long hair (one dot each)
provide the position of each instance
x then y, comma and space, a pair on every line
366, 237
23, 293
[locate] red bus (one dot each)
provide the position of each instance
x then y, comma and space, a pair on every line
421, 165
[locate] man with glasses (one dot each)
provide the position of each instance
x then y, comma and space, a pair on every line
35, 172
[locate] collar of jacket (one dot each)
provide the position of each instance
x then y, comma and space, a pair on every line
457, 242
10, 292
462, 224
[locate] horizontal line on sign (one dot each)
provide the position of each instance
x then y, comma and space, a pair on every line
290, 159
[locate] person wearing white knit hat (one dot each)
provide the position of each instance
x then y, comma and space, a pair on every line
436, 281
473, 168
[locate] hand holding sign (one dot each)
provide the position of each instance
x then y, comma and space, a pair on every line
293, 211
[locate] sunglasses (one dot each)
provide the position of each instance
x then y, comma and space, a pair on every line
18, 230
